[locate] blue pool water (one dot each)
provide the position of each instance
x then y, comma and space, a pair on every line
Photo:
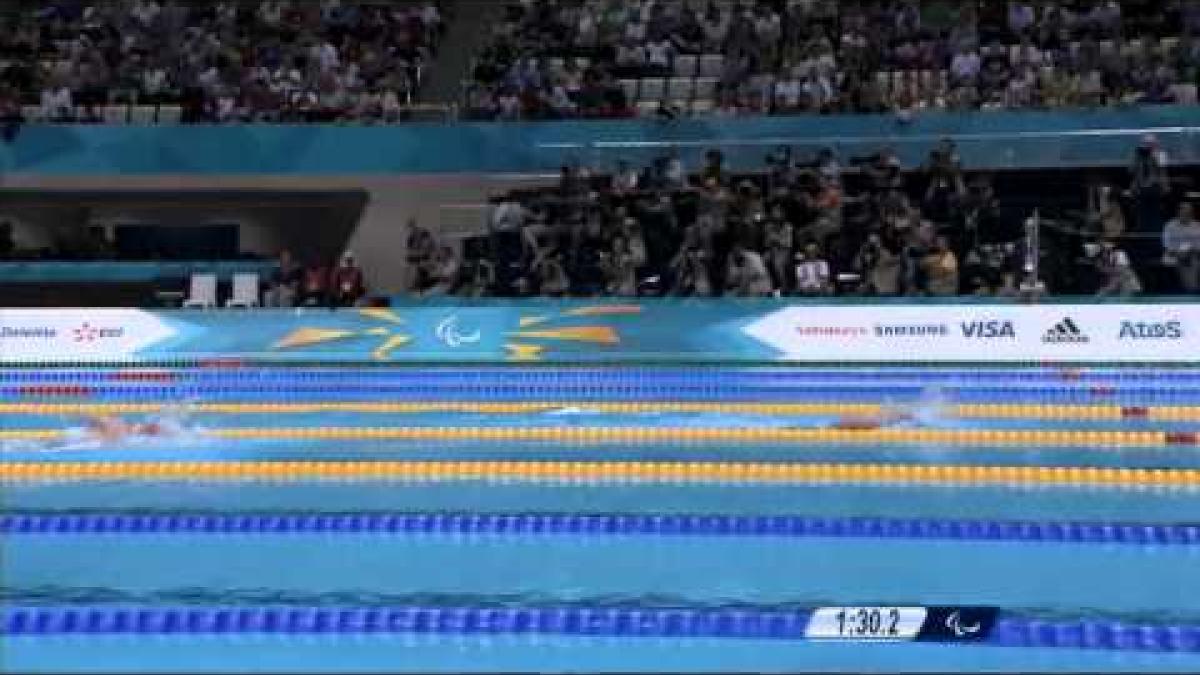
1116, 582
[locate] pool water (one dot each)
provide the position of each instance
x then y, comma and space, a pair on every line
97, 541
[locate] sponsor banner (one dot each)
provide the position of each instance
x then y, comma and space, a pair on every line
1098, 332
646, 330
78, 335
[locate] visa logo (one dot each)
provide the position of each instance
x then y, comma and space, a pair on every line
1141, 330
988, 329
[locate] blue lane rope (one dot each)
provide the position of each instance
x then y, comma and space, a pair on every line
607, 392
534, 524
735, 623
1095, 634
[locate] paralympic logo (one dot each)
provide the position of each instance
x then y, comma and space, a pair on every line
451, 335
954, 623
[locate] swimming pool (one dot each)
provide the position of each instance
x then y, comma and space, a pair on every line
324, 518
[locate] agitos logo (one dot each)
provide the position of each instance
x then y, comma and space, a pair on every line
88, 333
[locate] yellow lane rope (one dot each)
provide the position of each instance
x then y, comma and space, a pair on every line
586, 435
986, 410
557, 472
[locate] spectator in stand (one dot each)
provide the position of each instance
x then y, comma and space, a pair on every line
1181, 246
812, 272
1105, 217
941, 269
746, 274
285, 282
57, 103
420, 248
266, 61
444, 272
314, 285
551, 275
1116, 271
346, 280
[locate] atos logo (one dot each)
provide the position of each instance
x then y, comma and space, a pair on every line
90, 333
988, 329
1144, 330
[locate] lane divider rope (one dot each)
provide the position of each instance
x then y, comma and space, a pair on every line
729, 623
651, 391
584, 435
986, 410
601, 472
552, 524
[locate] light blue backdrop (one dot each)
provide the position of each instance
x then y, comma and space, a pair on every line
997, 140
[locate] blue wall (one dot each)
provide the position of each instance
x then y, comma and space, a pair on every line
995, 140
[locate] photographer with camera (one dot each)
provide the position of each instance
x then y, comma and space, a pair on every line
882, 170
1181, 248
878, 267
1148, 187
746, 275
1117, 276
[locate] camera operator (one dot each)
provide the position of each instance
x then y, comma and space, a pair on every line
882, 171
944, 161
1148, 187
981, 211
1181, 246
878, 267
1117, 276
778, 237
746, 275
781, 170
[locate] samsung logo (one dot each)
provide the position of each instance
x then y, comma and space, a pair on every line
988, 329
915, 330
1143, 330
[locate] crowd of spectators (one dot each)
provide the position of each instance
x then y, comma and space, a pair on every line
552, 59
806, 226
315, 283
229, 61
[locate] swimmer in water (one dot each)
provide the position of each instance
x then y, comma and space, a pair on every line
113, 429
884, 418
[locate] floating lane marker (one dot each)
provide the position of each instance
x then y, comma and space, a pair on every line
599, 435
601, 472
592, 525
934, 624
987, 410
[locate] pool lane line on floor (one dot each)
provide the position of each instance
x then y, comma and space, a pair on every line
737, 473
998, 410
746, 623
592, 525
599, 435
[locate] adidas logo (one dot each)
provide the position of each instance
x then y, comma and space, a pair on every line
1065, 331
